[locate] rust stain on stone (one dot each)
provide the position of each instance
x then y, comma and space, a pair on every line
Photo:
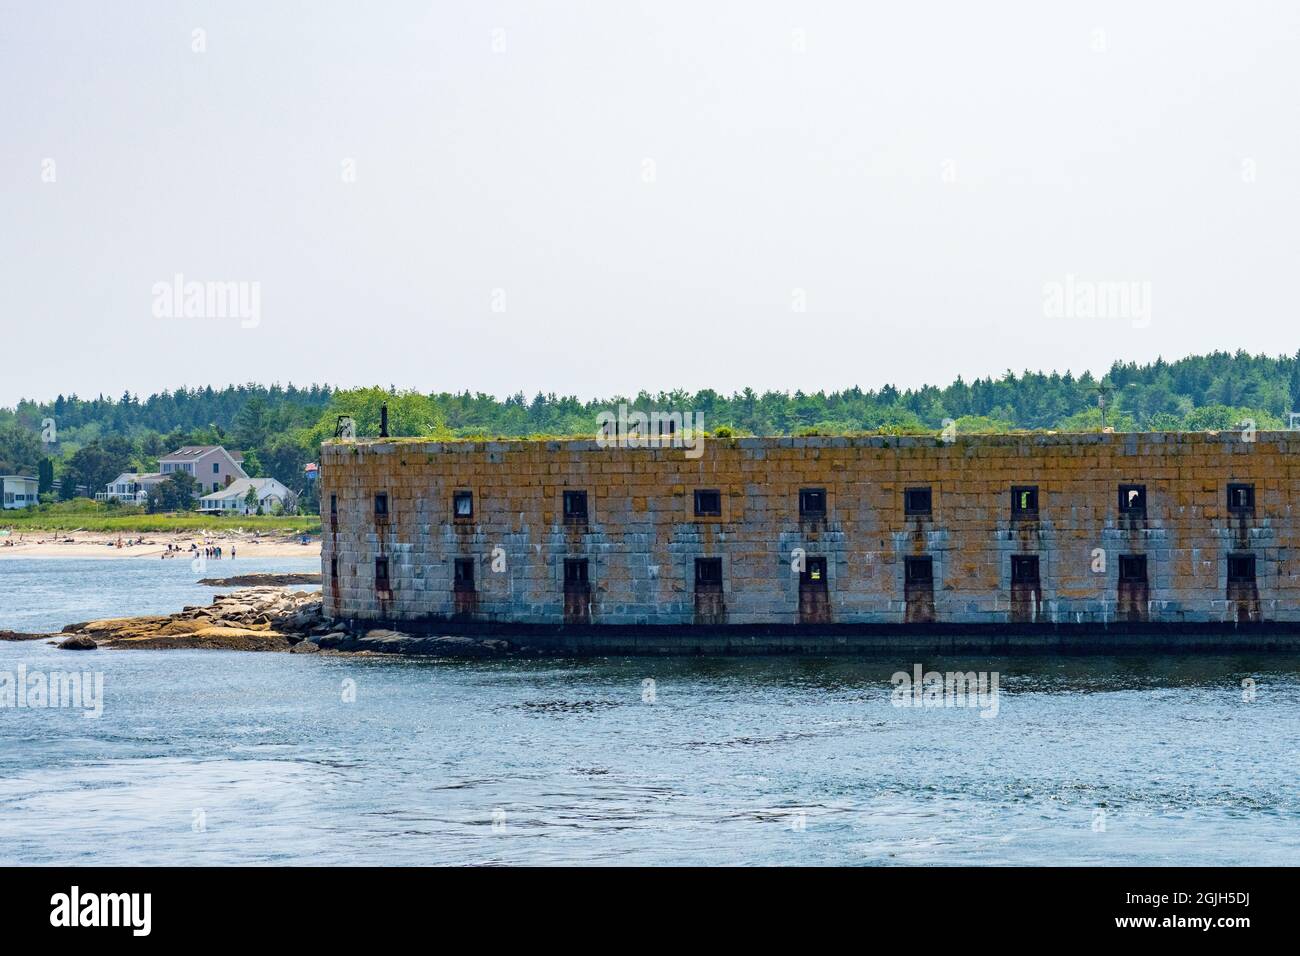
1133, 601
920, 602
1026, 602
577, 604
465, 602
1243, 599
710, 605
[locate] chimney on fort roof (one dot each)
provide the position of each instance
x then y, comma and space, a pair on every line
383, 420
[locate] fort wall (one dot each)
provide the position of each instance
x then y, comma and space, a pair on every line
1029, 531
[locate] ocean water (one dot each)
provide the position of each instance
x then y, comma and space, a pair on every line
44, 594
228, 758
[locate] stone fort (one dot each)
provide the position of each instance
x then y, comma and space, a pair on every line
1009, 533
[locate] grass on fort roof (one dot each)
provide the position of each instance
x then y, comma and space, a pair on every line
727, 433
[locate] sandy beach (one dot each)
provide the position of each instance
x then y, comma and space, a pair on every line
86, 544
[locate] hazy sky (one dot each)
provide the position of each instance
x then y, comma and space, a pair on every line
595, 198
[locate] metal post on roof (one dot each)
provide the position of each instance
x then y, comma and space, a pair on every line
1103, 396
383, 420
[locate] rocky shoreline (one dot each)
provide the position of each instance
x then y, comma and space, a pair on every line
260, 619
264, 580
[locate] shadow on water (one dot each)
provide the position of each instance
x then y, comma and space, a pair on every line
1032, 673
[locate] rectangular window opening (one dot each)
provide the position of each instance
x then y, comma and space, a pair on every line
918, 570
812, 502
1133, 568
708, 572
1024, 501
814, 573
708, 503
1024, 569
575, 507
575, 571
381, 505
1133, 500
1241, 568
917, 501
464, 574
1241, 498
381, 574
462, 504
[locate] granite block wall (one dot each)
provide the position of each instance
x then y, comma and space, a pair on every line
1190, 555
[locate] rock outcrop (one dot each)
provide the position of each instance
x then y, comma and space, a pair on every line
20, 636
264, 580
253, 619
267, 619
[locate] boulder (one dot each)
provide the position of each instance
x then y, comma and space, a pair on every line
304, 619
225, 609
78, 642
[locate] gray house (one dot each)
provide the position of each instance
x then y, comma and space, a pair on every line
211, 466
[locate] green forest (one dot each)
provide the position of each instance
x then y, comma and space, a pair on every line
279, 429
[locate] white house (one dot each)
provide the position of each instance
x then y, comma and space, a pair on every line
130, 487
231, 499
20, 491
211, 466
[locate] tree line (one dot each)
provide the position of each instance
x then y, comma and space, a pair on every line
279, 429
